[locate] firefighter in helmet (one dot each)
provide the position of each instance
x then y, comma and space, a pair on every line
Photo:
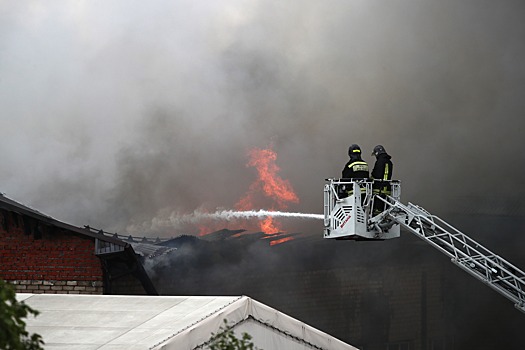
356, 167
382, 171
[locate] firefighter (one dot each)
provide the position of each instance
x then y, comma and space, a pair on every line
382, 171
355, 168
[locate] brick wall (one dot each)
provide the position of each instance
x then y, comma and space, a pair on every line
57, 287
42, 259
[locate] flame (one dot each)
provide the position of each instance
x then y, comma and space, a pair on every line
281, 240
269, 226
270, 185
269, 190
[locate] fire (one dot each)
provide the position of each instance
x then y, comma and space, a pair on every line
280, 240
270, 185
269, 226
268, 190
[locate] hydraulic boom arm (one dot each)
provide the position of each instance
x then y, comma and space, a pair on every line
466, 253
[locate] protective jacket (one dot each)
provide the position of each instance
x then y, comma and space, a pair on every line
382, 171
356, 168
383, 167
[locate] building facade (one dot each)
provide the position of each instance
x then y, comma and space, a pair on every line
39, 254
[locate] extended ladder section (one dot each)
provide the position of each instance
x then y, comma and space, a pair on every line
466, 253
361, 210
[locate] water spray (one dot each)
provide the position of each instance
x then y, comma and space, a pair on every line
177, 219
227, 215
233, 214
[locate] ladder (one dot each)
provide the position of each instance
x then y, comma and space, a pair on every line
466, 253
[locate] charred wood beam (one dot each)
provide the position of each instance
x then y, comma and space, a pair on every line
141, 274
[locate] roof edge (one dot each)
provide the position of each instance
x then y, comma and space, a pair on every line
14, 206
241, 310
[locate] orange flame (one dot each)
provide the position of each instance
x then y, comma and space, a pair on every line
270, 184
268, 225
281, 240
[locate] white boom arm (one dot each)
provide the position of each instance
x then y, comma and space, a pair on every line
466, 253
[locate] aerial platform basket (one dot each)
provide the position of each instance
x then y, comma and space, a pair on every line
349, 207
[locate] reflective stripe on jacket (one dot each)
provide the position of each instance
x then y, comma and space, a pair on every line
356, 168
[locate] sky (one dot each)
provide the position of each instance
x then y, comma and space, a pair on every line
119, 114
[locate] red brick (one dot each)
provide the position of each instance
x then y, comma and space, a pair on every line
57, 256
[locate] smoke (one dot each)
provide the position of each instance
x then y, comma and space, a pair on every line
117, 113
138, 117
364, 293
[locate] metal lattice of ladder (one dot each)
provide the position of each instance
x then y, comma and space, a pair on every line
466, 253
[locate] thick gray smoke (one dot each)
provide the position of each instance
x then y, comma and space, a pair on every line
119, 113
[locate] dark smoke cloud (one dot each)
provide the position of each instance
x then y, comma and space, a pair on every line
114, 113
365, 293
